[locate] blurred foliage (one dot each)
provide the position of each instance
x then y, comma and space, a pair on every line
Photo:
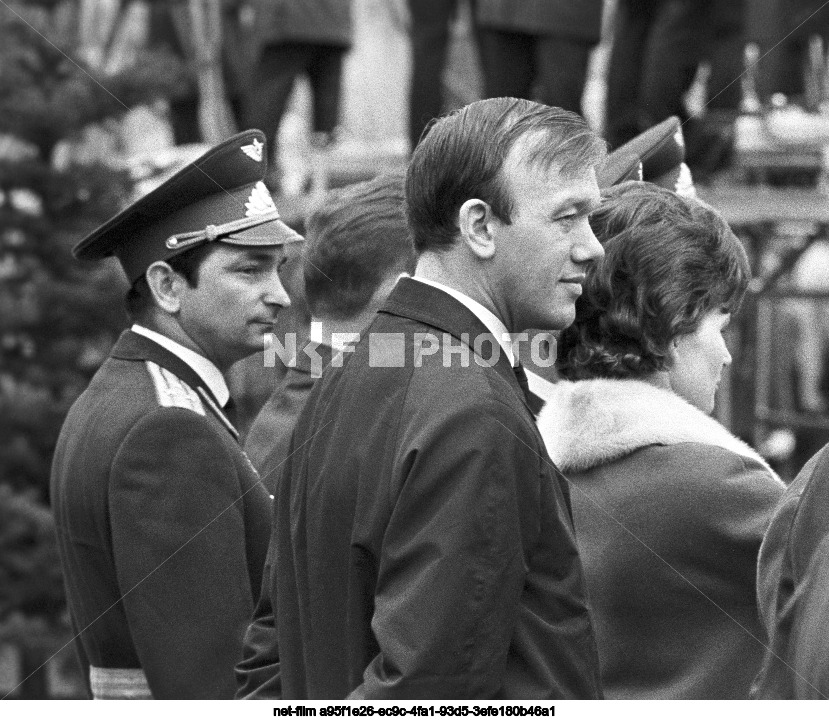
58, 317
30, 579
48, 93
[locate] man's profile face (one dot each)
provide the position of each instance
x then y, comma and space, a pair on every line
543, 254
236, 300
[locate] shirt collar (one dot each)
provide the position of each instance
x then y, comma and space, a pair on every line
340, 342
209, 373
492, 322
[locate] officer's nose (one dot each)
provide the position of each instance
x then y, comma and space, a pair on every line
275, 293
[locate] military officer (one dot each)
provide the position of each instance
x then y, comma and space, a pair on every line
162, 522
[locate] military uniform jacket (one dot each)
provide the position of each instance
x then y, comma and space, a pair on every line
162, 524
423, 545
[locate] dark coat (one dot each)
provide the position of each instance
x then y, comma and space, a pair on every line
423, 545
162, 525
270, 434
670, 510
578, 19
793, 565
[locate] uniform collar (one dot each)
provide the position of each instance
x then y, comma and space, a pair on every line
207, 371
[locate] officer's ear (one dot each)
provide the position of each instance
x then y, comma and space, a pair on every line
166, 286
475, 224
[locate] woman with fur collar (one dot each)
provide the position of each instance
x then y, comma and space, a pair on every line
669, 507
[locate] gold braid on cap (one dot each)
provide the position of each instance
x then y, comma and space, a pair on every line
214, 232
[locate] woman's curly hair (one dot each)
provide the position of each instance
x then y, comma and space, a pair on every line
668, 261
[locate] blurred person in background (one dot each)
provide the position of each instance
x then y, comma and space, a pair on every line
538, 50
356, 247
669, 507
431, 32
656, 51
170, 26
298, 37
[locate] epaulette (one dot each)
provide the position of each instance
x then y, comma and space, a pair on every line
172, 392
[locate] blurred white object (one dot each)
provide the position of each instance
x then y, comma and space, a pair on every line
779, 445
151, 169
794, 126
751, 133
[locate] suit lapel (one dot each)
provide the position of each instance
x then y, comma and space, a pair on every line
426, 304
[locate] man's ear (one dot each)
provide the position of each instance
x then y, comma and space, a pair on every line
475, 222
165, 285
671, 355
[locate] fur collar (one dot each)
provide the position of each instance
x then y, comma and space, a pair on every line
587, 423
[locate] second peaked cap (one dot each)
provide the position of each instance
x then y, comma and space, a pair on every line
656, 155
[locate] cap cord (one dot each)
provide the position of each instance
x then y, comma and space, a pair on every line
214, 232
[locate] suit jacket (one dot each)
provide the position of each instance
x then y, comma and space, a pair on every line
670, 510
422, 544
793, 563
162, 524
579, 19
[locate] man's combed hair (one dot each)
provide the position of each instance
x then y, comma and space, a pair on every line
463, 154
355, 242
668, 261
139, 299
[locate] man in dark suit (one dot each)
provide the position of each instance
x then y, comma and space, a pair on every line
657, 46
162, 521
422, 541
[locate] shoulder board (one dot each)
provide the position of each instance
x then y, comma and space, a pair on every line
171, 391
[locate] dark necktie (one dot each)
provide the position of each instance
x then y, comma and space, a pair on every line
533, 401
230, 411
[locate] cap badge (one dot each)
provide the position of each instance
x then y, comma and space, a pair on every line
254, 150
259, 201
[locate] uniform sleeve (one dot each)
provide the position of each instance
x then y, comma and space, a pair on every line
257, 674
453, 566
178, 537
